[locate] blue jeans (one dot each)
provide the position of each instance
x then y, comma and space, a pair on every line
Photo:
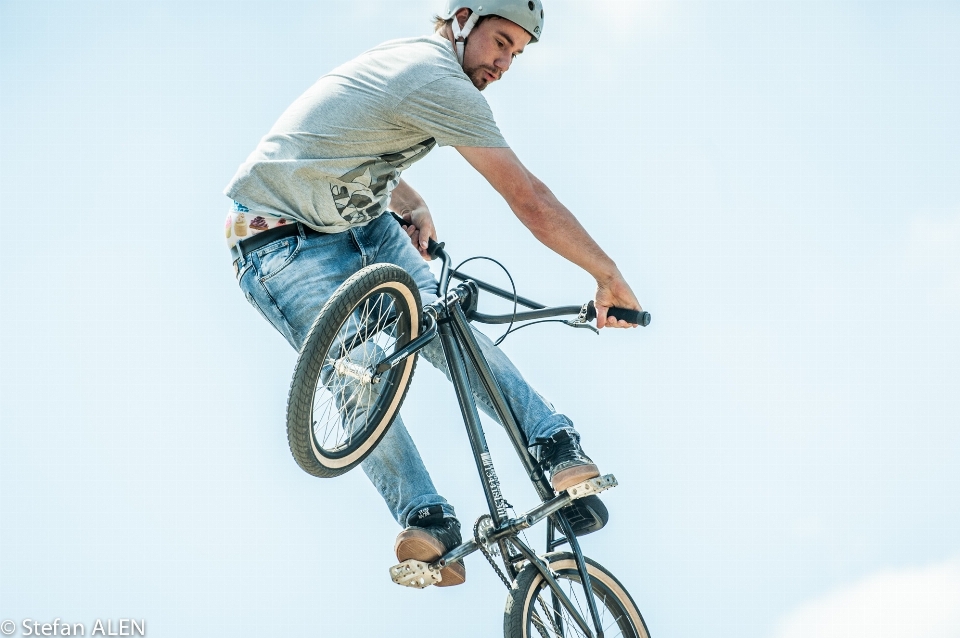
289, 280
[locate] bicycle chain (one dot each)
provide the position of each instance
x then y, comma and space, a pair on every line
503, 577
486, 553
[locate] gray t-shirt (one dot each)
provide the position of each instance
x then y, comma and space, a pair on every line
334, 156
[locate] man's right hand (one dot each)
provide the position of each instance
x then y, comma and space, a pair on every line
614, 292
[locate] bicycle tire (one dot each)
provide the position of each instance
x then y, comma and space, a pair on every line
374, 313
529, 612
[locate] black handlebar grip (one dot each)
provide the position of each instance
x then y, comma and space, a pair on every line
639, 317
434, 248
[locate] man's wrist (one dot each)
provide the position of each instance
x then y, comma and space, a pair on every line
607, 274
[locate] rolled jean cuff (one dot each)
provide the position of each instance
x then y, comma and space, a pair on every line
421, 502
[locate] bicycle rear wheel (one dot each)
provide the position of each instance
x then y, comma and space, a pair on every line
337, 411
533, 612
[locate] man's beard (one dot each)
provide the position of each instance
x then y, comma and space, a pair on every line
478, 75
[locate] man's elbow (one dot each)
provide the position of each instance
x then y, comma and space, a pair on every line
533, 214
531, 204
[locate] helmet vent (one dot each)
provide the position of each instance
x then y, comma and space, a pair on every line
531, 5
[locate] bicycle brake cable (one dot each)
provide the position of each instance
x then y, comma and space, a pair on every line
563, 321
512, 285
578, 323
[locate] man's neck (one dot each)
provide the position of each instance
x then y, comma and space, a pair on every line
447, 33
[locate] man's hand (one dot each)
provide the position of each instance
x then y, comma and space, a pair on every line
614, 292
407, 203
420, 229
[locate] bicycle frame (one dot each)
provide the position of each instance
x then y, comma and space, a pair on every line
446, 317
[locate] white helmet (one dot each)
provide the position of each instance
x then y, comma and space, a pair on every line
525, 13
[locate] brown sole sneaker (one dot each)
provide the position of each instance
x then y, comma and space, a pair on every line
419, 545
573, 475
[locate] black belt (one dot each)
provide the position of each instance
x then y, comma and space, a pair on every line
247, 246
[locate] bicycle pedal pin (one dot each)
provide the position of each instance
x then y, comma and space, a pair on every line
592, 486
414, 573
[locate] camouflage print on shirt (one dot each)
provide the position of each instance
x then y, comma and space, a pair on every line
360, 196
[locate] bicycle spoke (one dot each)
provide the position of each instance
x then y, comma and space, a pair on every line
374, 330
551, 614
553, 620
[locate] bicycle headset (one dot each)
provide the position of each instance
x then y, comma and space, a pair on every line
527, 14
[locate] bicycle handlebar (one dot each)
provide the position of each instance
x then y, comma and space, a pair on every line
435, 250
543, 313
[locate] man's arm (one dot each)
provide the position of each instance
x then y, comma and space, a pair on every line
553, 225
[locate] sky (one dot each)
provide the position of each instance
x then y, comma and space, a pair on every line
778, 180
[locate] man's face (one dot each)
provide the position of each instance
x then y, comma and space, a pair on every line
490, 50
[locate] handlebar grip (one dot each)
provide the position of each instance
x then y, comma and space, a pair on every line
434, 248
639, 317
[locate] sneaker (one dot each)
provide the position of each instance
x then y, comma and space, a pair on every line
563, 458
429, 536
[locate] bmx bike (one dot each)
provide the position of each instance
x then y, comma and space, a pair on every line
353, 372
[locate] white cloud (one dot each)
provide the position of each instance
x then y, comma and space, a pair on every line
910, 603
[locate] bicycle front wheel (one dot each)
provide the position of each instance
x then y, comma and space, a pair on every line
533, 611
337, 411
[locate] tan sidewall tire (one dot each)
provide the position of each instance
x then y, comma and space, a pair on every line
528, 584
371, 280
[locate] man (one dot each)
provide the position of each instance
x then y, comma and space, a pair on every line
309, 211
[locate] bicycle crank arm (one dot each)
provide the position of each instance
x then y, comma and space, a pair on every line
510, 527
414, 573
540, 512
516, 525
418, 574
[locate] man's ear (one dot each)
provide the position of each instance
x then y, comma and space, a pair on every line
462, 15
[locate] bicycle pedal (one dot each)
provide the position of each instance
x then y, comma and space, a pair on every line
592, 486
414, 573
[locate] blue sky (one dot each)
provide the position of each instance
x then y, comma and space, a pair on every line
779, 181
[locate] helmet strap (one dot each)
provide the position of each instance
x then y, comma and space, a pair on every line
460, 35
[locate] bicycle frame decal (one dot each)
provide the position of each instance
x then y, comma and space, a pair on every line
494, 484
